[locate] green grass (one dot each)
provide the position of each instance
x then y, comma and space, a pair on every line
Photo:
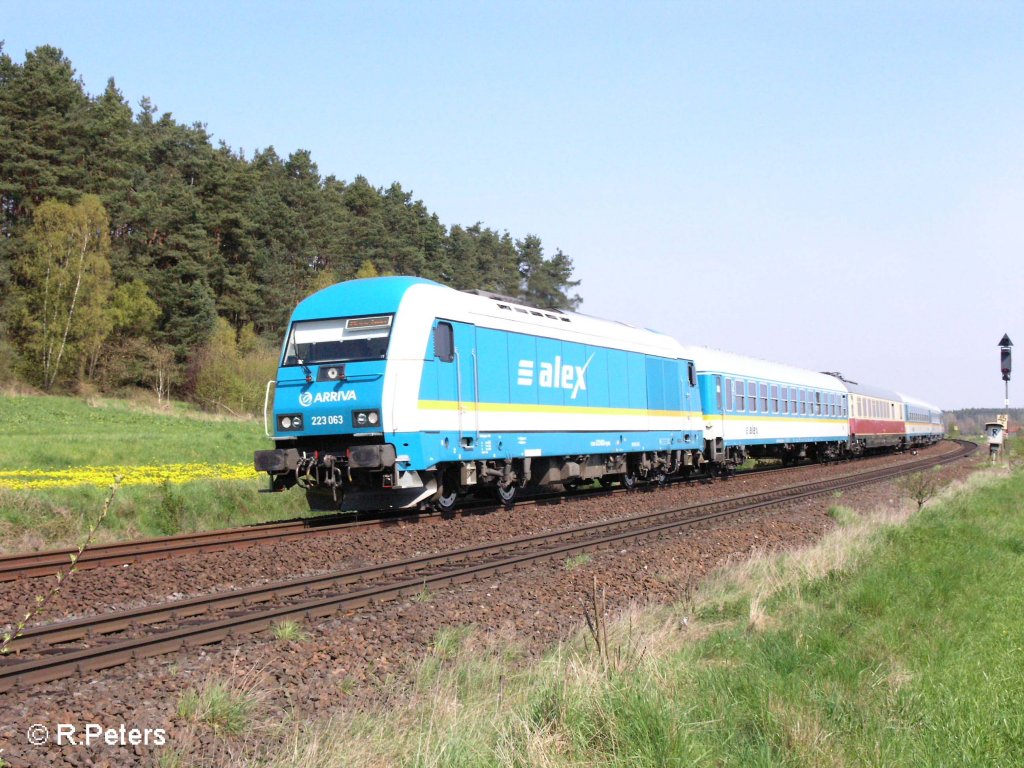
223, 706
49, 432
884, 645
575, 561
289, 632
59, 432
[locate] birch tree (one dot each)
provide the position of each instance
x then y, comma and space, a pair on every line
65, 285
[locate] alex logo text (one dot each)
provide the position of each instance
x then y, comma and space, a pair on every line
554, 375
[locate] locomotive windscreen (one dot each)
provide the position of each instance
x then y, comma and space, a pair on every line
338, 340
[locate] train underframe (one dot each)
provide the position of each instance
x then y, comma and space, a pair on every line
369, 476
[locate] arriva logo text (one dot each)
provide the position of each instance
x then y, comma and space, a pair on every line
306, 399
555, 375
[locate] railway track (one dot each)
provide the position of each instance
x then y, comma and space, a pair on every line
212, 618
38, 564
42, 564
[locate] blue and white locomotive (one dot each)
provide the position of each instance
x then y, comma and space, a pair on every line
395, 392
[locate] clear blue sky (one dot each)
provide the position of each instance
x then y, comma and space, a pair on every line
834, 185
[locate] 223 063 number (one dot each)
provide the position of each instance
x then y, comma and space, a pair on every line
323, 421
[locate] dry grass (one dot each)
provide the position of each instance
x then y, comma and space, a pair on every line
470, 707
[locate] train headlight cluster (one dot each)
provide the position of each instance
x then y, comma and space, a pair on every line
365, 418
290, 422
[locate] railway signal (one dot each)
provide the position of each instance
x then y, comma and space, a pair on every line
1004, 356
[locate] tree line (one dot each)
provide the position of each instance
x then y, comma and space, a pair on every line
135, 252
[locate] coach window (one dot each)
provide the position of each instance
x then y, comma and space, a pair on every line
817, 403
775, 398
764, 398
752, 397
728, 394
718, 392
792, 400
444, 342
741, 401
785, 399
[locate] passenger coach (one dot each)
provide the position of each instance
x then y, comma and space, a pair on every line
761, 409
397, 391
876, 419
923, 422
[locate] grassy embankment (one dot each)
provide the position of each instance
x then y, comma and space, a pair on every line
183, 471
895, 641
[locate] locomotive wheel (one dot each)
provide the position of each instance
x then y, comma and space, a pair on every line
446, 501
508, 494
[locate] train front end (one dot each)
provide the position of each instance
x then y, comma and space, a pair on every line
329, 419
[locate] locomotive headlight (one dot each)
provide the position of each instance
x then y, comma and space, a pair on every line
290, 422
365, 418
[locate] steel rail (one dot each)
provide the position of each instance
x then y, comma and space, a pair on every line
42, 564
73, 629
83, 660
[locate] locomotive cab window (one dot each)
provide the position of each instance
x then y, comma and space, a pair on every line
691, 371
338, 340
444, 342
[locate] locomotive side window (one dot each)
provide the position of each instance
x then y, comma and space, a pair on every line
444, 342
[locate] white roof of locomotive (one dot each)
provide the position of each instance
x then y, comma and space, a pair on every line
509, 315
